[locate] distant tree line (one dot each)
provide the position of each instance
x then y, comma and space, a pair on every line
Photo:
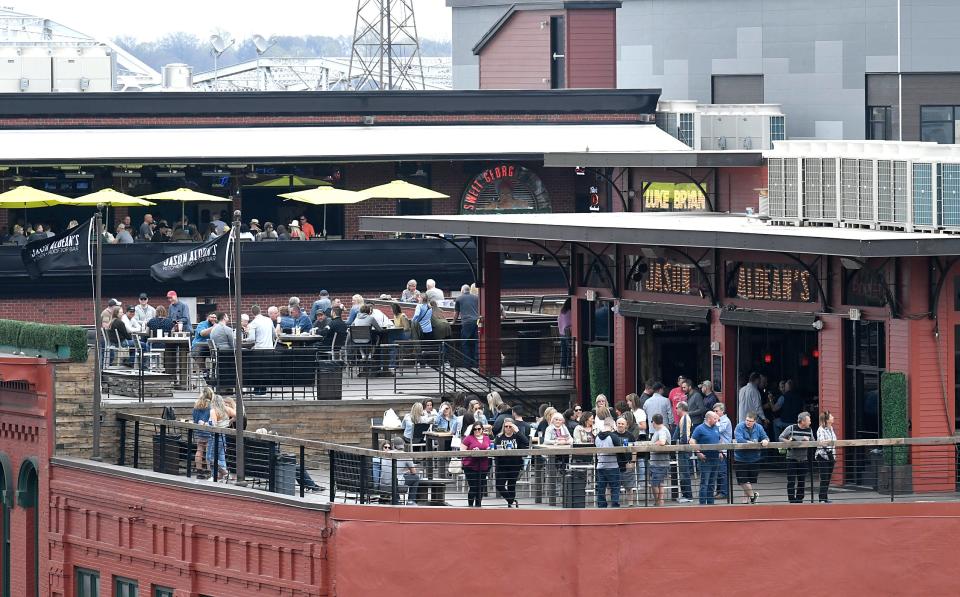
192, 50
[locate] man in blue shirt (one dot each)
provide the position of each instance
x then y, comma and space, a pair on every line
201, 333
710, 460
179, 312
300, 319
748, 461
321, 305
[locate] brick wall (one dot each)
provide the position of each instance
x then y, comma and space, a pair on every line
193, 539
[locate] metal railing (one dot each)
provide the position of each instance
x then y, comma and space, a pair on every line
302, 367
641, 474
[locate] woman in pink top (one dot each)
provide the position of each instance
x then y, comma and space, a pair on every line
475, 467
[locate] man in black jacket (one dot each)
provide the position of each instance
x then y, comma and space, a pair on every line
695, 403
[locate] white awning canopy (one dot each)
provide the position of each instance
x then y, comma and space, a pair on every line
330, 143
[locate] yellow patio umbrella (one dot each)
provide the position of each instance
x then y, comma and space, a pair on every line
292, 180
25, 197
183, 196
110, 198
401, 189
325, 196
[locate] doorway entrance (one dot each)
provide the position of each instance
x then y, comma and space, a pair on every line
865, 359
781, 355
669, 349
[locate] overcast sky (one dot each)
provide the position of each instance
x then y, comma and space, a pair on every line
151, 19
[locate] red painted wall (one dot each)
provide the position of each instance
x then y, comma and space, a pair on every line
592, 48
842, 549
191, 539
25, 433
518, 57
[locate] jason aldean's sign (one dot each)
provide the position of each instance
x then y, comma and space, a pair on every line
674, 196
505, 188
769, 282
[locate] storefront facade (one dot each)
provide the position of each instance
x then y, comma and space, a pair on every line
717, 297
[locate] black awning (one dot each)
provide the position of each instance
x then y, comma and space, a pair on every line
779, 320
665, 311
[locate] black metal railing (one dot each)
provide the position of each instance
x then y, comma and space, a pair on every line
640, 474
304, 367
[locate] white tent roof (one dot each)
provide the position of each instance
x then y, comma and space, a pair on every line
332, 143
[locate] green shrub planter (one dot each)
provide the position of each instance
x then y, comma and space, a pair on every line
38, 339
895, 422
599, 372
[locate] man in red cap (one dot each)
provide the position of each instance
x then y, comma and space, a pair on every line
179, 312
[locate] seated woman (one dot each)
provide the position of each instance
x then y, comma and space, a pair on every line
445, 421
410, 419
407, 475
585, 432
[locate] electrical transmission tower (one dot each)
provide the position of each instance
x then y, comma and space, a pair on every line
386, 49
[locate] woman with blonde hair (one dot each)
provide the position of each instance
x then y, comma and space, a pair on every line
410, 419
493, 403
201, 416
220, 415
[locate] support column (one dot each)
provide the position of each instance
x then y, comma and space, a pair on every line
490, 346
625, 356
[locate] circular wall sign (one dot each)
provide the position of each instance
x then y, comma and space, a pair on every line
505, 188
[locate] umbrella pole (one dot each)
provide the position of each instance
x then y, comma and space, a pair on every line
324, 222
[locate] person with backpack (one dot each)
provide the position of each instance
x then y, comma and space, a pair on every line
798, 459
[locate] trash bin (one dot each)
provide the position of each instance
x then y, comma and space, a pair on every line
528, 348
329, 380
285, 474
575, 488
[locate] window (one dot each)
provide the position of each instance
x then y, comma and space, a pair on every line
879, 126
778, 129
938, 124
685, 128
124, 587
88, 583
162, 592
558, 59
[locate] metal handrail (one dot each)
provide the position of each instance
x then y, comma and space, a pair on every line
548, 450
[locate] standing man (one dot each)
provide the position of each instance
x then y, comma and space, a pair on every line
695, 402
645, 395
681, 436
179, 312
748, 399
307, 228
144, 311
262, 332
321, 305
709, 398
676, 396
710, 460
658, 403
725, 428
467, 310
748, 461
659, 461
798, 459
146, 228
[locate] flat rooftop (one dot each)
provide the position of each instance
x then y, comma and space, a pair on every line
700, 230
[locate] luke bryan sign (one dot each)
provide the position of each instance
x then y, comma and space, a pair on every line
505, 188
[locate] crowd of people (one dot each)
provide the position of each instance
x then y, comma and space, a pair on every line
689, 414
327, 319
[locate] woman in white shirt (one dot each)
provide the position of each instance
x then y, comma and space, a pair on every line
826, 454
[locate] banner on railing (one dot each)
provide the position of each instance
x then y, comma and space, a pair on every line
208, 261
68, 249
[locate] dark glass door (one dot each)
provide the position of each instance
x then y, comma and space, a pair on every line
865, 360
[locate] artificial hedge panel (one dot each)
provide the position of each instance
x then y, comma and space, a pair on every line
26, 335
599, 372
893, 414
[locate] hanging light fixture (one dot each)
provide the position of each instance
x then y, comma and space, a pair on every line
767, 358
815, 353
804, 361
